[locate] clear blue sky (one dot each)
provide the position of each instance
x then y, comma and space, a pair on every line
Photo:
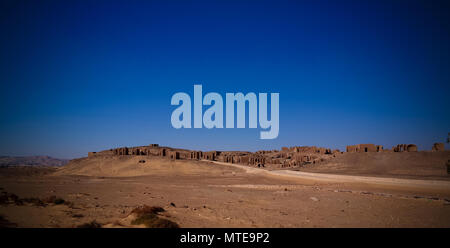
79, 76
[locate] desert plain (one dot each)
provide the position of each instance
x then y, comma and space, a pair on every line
347, 190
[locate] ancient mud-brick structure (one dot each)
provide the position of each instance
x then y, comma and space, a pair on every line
299, 160
405, 148
243, 159
367, 148
163, 152
399, 148
173, 155
258, 160
226, 159
310, 149
210, 155
351, 148
297, 156
197, 155
121, 151
411, 148
287, 157
136, 151
438, 147
364, 148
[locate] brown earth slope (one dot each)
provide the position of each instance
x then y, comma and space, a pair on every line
131, 166
419, 165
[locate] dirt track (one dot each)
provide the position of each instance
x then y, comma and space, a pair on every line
412, 183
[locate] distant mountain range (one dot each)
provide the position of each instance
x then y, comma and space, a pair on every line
31, 161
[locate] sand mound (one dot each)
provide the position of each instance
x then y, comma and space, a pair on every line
129, 166
401, 164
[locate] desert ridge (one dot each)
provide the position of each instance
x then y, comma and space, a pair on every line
369, 159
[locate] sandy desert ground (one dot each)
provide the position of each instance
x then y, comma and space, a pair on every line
214, 194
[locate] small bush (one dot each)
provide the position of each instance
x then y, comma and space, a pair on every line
5, 223
154, 221
34, 201
3, 199
7, 198
148, 216
92, 224
147, 210
55, 200
13, 197
58, 201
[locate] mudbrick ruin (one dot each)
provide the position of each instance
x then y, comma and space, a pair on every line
287, 157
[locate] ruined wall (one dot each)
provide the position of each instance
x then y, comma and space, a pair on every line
364, 148
196, 155
352, 148
151, 150
411, 148
297, 156
405, 148
379, 148
121, 151
210, 155
163, 152
308, 149
367, 148
438, 147
174, 155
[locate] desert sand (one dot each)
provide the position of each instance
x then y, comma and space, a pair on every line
106, 189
